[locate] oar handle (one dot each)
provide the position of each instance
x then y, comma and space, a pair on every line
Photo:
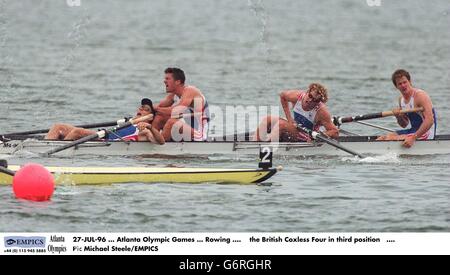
99, 134
339, 120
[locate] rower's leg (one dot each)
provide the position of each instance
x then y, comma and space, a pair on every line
288, 132
77, 133
59, 131
159, 121
177, 130
283, 131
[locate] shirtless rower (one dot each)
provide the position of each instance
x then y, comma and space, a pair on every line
186, 100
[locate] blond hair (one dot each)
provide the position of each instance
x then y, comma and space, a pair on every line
320, 90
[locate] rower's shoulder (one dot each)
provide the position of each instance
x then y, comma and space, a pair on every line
290, 94
292, 91
421, 91
422, 95
192, 90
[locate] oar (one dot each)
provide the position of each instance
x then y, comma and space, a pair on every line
4, 168
87, 126
98, 135
339, 120
321, 137
374, 126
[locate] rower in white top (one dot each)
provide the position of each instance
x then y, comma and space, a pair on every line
423, 124
309, 111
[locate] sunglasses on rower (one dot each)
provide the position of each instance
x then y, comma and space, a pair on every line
313, 99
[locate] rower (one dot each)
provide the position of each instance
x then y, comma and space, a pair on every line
423, 124
143, 131
309, 110
182, 99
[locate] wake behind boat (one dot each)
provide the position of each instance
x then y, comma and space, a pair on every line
362, 144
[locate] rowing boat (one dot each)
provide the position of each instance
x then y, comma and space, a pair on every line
110, 175
362, 144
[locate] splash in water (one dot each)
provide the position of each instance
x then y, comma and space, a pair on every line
386, 158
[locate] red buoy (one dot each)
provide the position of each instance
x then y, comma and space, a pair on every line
33, 182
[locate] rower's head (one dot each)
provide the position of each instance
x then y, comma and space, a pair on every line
402, 80
316, 94
146, 107
174, 78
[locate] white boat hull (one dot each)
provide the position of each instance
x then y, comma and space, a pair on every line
362, 145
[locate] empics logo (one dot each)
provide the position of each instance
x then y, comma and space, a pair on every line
24, 242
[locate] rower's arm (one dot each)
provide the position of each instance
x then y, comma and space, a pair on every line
155, 136
423, 100
167, 101
148, 133
166, 111
187, 99
286, 97
324, 119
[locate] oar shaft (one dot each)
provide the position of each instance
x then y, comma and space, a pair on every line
6, 171
318, 136
340, 120
76, 142
337, 145
403, 111
375, 126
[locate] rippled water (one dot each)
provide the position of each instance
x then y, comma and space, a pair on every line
94, 62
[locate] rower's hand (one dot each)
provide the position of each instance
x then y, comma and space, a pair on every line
396, 112
292, 122
142, 126
399, 116
409, 140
